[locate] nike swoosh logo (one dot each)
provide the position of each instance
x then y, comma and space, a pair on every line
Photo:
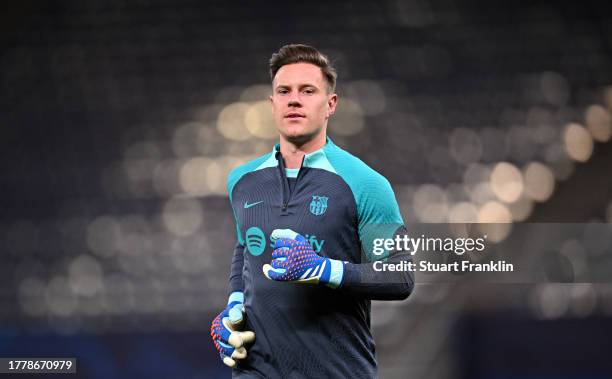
247, 205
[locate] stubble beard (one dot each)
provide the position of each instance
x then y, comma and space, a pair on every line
302, 138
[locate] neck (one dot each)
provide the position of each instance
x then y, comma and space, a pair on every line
293, 153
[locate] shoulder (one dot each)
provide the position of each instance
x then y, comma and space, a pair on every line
373, 194
356, 173
266, 160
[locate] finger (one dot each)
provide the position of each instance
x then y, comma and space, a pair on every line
247, 336
226, 330
235, 340
220, 329
229, 355
283, 233
281, 252
239, 339
279, 264
239, 353
224, 348
273, 273
284, 243
229, 362
288, 234
236, 315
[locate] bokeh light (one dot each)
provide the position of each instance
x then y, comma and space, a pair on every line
521, 209
541, 122
259, 120
103, 235
185, 137
494, 148
85, 275
539, 181
559, 162
369, 94
555, 88
430, 204
348, 119
256, 93
182, 216
31, 296
520, 143
231, 122
598, 123
463, 212
59, 297
583, 299
551, 300
506, 182
495, 221
578, 142
194, 178
166, 178
574, 251
465, 145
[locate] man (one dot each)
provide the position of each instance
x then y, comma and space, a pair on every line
304, 299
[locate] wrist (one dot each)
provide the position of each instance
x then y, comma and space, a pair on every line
335, 273
236, 297
235, 307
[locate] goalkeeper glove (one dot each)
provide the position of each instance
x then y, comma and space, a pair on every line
226, 331
295, 261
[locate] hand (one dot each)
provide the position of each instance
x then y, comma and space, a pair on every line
226, 331
295, 261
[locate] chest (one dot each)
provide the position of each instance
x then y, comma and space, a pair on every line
320, 206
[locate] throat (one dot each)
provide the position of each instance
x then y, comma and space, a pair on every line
293, 161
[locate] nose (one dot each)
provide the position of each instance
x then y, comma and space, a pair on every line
294, 103
294, 100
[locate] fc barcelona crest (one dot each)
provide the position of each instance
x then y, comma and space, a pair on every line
318, 205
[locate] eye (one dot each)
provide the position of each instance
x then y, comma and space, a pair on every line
309, 91
282, 91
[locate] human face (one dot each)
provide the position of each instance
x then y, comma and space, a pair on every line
301, 104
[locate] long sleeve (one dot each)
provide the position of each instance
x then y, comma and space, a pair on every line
378, 216
360, 279
236, 283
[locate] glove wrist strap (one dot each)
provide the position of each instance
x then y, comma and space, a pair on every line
236, 297
336, 273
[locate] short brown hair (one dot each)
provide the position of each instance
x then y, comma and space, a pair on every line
297, 53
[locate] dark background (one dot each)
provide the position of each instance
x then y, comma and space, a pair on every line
120, 120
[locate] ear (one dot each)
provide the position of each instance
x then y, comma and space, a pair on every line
332, 101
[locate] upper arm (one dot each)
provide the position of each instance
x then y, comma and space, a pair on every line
378, 214
231, 182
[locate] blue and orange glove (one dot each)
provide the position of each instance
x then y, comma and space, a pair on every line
226, 331
294, 260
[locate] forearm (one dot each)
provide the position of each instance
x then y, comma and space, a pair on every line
236, 283
362, 280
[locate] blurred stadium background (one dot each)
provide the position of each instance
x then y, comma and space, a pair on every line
120, 120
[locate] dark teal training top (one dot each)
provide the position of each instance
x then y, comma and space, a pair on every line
340, 205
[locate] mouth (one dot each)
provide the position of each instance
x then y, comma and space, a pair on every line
294, 115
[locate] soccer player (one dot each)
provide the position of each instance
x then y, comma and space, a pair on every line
306, 214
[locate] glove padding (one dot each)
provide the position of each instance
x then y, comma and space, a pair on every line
294, 260
227, 335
